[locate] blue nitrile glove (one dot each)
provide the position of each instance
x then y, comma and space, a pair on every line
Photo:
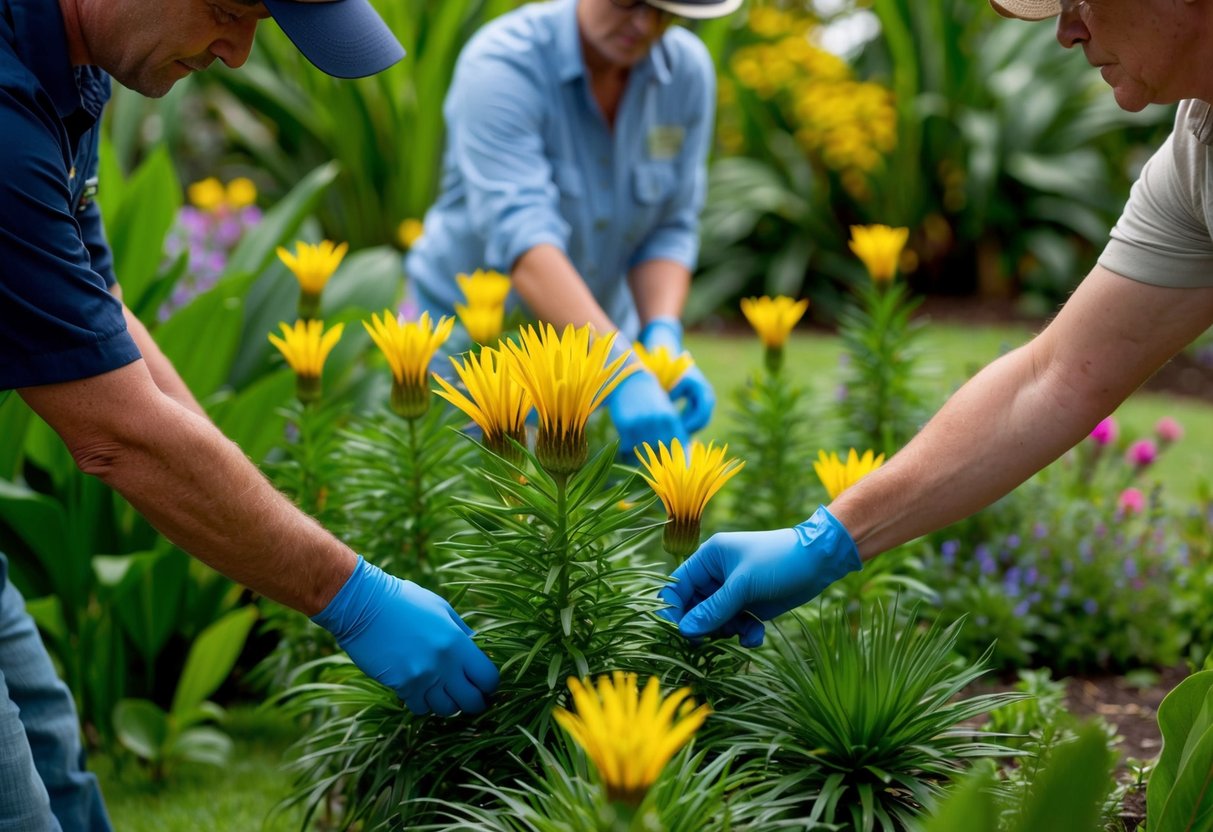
642, 412
411, 640
737, 580
693, 388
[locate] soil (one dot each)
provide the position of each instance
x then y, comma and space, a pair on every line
1132, 708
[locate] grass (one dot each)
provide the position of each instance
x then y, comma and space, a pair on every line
953, 353
236, 798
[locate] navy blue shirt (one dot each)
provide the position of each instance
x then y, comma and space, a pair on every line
58, 320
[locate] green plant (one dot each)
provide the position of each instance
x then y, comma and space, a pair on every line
1180, 793
164, 739
1065, 796
862, 724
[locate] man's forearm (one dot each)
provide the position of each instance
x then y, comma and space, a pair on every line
554, 291
194, 485
660, 288
163, 372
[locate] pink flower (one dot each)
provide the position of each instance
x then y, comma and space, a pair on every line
1131, 501
1169, 430
1105, 432
1142, 453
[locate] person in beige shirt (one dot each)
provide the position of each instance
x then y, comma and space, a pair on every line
1150, 294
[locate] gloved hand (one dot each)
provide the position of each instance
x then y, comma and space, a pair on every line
642, 412
693, 388
737, 580
411, 640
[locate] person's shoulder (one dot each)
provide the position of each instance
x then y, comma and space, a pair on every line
689, 58
519, 36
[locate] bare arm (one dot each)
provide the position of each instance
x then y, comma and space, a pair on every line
162, 370
546, 279
193, 485
660, 288
1024, 410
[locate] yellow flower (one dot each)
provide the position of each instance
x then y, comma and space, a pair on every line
305, 348
312, 266
629, 735
838, 476
662, 363
241, 192
773, 318
409, 349
410, 231
494, 401
206, 195
879, 247
483, 323
685, 487
567, 377
484, 288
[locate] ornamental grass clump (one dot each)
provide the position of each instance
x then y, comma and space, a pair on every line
864, 723
409, 348
773, 490
880, 405
685, 483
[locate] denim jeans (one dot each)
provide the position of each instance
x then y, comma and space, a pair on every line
43, 784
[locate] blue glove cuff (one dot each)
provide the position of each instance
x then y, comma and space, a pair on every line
667, 322
344, 615
826, 534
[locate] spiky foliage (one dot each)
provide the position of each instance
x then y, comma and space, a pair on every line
397, 481
773, 490
863, 724
549, 575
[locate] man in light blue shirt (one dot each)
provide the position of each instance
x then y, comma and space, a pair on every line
578, 132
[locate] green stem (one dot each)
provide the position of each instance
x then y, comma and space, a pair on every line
560, 543
419, 541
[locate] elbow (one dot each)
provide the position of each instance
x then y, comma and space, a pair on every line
99, 457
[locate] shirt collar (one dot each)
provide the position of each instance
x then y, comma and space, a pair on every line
41, 43
1200, 119
570, 63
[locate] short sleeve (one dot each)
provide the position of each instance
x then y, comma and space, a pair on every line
58, 321
1163, 238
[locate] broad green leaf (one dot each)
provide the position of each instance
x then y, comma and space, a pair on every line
251, 418
142, 727
201, 339
202, 745
136, 230
14, 420
148, 599
1181, 788
47, 613
211, 658
970, 806
42, 523
1067, 794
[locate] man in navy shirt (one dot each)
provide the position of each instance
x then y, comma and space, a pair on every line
80, 360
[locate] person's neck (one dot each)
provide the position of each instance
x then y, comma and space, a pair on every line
77, 52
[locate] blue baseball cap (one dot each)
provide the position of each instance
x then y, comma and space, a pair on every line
344, 38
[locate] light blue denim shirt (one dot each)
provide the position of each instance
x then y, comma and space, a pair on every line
530, 159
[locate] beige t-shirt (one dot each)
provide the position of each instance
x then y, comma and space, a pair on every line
1165, 235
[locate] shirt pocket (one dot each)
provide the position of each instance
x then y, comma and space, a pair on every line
653, 182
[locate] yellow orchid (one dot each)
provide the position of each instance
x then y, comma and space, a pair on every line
312, 266
663, 364
773, 320
483, 323
567, 376
484, 288
686, 487
410, 231
837, 476
494, 401
409, 348
627, 734
305, 347
879, 247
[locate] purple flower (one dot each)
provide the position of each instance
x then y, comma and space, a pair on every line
1090, 607
1031, 576
1131, 501
1021, 609
984, 559
1130, 567
1168, 430
1063, 589
841, 393
1013, 541
948, 550
1040, 531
